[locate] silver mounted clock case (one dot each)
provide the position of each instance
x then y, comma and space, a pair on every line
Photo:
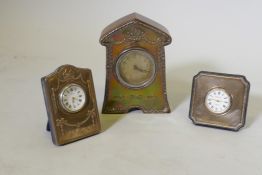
219, 100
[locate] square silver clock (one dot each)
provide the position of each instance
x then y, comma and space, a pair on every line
219, 100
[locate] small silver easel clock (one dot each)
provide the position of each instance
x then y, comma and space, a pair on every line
219, 100
71, 104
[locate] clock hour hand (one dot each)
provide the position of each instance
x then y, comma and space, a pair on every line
139, 69
74, 99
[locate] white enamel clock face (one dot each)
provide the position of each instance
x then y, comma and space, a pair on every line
135, 68
73, 98
218, 101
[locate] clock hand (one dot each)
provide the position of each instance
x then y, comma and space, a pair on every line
73, 99
217, 100
139, 69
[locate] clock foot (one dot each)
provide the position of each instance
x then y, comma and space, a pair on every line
48, 126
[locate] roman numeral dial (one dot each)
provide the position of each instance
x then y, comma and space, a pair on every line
218, 101
72, 98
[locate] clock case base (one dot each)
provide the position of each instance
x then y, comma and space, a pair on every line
124, 111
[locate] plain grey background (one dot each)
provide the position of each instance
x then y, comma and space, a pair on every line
38, 36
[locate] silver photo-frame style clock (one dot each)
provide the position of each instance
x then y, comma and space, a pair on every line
219, 100
71, 106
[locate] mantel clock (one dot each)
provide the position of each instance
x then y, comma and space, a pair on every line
135, 65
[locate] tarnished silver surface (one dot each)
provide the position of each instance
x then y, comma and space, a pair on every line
236, 86
66, 126
134, 32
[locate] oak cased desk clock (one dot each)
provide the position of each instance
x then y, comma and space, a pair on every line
135, 65
71, 104
219, 100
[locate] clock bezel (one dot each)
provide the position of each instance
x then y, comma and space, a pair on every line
61, 97
229, 95
122, 56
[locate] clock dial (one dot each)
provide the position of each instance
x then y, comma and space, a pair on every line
218, 101
135, 68
73, 98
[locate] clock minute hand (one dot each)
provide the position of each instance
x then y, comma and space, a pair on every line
217, 100
139, 69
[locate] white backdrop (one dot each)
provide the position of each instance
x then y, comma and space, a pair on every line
38, 36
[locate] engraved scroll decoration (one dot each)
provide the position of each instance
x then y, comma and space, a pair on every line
134, 33
66, 74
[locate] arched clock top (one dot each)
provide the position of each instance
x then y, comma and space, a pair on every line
133, 28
